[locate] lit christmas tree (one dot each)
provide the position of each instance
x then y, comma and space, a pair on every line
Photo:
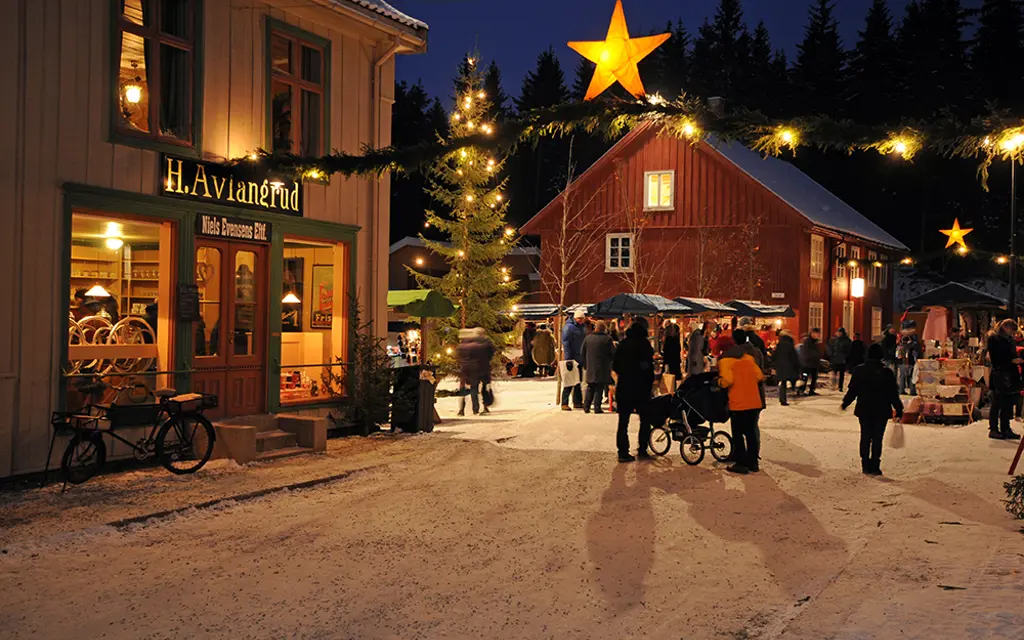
466, 183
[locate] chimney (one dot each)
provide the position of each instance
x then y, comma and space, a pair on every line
717, 106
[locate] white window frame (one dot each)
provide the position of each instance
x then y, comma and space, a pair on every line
672, 190
817, 256
876, 323
883, 280
815, 316
855, 272
872, 269
609, 239
840, 253
849, 317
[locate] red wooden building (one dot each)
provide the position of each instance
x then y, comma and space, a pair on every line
657, 214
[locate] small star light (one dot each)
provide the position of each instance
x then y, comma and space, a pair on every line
787, 137
1002, 260
617, 56
689, 129
509, 231
956, 236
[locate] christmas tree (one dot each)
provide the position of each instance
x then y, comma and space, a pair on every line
466, 184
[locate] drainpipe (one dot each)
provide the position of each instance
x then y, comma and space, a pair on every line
375, 197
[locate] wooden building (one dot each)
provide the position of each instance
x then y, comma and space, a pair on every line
230, 280
715, 220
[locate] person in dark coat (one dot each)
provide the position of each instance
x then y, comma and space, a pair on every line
634, 366
810, 359
908, 352
672, 351
1004, 380
838, 354
572, 342
857, 353
786, 365
475, 353
598, 354
543, 351
747, 325
873, 388
889, 342
529, 367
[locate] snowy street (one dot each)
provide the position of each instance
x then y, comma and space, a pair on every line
522, 524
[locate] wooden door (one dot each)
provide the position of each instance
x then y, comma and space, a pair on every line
229, 354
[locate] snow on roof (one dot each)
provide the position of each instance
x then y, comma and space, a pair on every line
386, 10
800, 191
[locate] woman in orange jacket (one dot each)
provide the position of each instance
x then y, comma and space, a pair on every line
740, 370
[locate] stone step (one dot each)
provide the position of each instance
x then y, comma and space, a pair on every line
273, 440
283, 453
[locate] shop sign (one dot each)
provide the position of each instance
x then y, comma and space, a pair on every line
778, 296
234, 186
188, 303
213, 226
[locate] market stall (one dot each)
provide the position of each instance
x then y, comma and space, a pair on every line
423, 304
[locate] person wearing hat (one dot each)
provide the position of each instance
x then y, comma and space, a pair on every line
573, 335
746, 323
873, 388
741, 372
839, 348
907, 354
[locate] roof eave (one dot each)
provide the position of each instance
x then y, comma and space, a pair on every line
412, 39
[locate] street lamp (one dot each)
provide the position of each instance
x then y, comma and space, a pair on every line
1013, 145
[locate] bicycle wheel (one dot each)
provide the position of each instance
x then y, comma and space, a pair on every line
185, 442
660, 441
721, 446
83, 458
692, 450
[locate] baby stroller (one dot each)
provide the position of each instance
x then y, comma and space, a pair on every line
692, 413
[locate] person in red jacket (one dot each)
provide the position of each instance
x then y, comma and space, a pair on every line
721, 342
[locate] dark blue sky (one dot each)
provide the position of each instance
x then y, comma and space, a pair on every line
513, 32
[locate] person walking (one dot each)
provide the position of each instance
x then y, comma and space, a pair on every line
529, 368
747, 324
1004, 380
786, 364
697, 350
475, 353
889, 343
598, 353
873, 388
572, 344
739, 372
857, 353
543, 352
810, 360
672, 351
907, 354
634, 365
838, 355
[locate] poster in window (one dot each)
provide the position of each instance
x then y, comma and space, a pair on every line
291, 281
322, 311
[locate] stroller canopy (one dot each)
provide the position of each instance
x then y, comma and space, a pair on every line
640, 304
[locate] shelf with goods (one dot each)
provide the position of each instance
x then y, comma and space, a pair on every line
130, 276
944, 392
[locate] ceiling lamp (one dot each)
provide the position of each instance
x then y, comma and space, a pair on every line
114, 243
97, 292
290, 298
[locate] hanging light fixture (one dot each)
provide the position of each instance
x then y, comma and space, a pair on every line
857, 288
290, 298
114, 243
133, 90
97, 291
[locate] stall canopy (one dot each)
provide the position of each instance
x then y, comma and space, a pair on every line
421, 303
640, 304
954, 294
537, 312
755, 309
705, 305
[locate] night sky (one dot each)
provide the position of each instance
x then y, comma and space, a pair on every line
514, 32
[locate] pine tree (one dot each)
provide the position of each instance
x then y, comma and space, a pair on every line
478, 237
702, 81
581, 82
819, 74
933, 58
415, 119
727, 51
873, 68
997, 53
492, 85
665, 71
764, 85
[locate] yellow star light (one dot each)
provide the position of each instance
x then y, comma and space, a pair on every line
617, 55
956, 235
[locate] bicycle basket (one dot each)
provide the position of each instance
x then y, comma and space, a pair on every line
191, 403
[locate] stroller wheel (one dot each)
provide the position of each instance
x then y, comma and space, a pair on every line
721, 446
692, 450
660, 441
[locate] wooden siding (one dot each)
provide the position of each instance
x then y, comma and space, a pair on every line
55, 130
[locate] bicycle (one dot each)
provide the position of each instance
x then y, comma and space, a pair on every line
181, 437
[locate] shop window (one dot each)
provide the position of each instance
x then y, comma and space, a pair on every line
314, 343
817, 256
619, 252
206, 342
815, 315
155, 65
658, 190
298, 64
120, 318
876, 323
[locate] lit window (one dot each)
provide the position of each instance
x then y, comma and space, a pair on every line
817, 256
855, 272
298, 86
815, 315
841, 252
659, 190
883, 279
619, 252
876, 323
872, 269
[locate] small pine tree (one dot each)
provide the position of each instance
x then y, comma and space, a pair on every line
478, 237
364, 386
1015, 497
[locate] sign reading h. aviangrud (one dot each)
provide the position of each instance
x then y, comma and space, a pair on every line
214, 226
234, 186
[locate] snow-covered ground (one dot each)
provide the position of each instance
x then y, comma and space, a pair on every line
522, 524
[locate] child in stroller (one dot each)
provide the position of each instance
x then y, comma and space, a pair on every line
689, 417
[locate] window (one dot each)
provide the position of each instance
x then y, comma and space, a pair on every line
817, 256
298, 64
815, 315
659, 192
872, 269
841, 261
155, 66
849, 322
856, 272
876, 323
619, 252
883, 276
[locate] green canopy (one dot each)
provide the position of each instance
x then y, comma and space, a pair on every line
421, 303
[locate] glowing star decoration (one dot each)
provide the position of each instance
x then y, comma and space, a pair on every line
956, 235
617, 55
